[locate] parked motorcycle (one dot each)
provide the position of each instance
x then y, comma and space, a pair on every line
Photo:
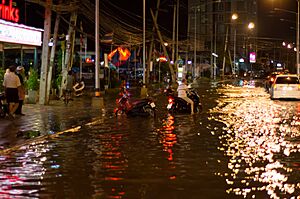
140, 107
179, 105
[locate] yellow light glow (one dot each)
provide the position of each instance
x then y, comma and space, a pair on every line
234, 16
251, 25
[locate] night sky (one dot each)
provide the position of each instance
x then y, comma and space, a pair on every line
269, 23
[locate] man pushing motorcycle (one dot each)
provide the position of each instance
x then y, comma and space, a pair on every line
182, 93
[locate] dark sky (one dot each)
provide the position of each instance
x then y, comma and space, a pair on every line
277, 24
269, 23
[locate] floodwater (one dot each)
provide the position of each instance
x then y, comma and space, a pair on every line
243, 145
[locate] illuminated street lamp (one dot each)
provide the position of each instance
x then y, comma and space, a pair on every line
251, 25
297, 34
234, 17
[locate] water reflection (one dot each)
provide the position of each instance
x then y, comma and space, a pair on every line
23, 177
259, 138
167, 136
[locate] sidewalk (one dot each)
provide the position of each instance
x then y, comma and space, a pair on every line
41, 120
52, 118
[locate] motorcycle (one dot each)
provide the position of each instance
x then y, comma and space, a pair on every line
179, 105
141, 107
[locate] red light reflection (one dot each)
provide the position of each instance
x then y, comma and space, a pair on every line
168, 137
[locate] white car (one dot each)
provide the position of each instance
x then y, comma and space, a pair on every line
285, 86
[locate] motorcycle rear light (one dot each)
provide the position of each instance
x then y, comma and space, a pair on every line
170, 100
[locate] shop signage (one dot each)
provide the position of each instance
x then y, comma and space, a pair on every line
252, 57
8, 12
20, 34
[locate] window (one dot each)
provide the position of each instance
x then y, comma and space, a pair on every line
287, 80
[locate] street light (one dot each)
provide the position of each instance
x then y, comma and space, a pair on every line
251, 25
297, 34
234, 17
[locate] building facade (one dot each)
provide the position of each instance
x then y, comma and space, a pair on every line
213, 34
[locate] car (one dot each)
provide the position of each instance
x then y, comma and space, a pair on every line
270, 80
286, 86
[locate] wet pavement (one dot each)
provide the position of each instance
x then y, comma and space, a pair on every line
40, 120
242, 145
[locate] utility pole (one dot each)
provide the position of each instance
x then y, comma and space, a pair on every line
52, 55
45, 53
177, 29
80, 51
97, 51
144, 41
173, 36
173, 78
67, 63
225, 49
195, 45
152, 44
297, 37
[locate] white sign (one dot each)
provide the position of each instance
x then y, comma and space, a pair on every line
20, 34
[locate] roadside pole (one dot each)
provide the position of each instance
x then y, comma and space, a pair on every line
45, 53
97, 46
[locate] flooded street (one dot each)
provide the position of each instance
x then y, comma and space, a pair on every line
242, 145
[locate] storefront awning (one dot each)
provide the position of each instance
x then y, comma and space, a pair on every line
20, 34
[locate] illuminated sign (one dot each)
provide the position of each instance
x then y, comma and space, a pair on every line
252, 57
20, 34
8, 12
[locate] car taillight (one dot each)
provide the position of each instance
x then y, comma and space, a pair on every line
170, 100
298, 87
272, 79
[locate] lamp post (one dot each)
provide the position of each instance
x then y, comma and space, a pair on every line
251, 26
195, 45
234, 17
297, 38
297, 32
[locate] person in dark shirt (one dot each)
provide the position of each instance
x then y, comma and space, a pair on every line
21, 89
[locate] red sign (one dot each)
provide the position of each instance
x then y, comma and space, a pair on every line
8, 12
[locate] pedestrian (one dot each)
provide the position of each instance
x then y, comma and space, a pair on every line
69, 85
7, 71
11, 83
21, 90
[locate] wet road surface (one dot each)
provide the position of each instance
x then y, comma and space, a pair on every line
242, 145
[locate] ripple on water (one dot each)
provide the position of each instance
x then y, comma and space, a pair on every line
260, 142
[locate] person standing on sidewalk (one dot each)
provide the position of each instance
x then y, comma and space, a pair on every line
11, 83
69, 86
21, 90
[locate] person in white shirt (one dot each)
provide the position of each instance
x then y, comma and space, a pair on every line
182, 93
11, 83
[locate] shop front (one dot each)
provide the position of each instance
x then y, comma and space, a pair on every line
18, 43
